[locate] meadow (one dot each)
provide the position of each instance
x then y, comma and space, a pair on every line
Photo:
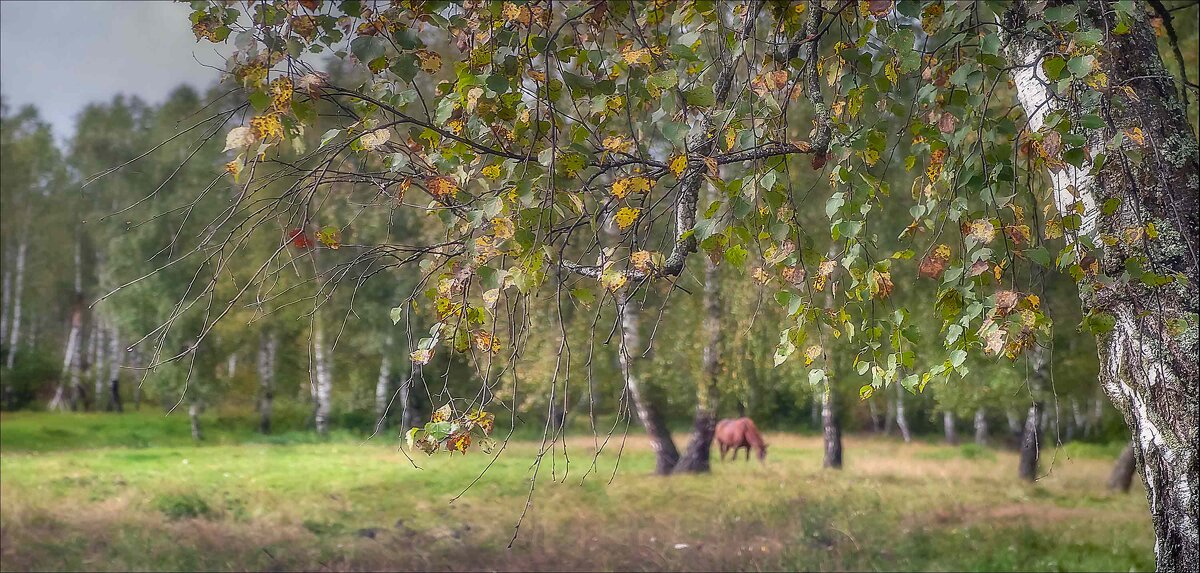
109, 492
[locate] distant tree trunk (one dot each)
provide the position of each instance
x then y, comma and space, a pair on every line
5, 300
1077, 423
194, 409
266, 379
697, 456
948, 426
1031, 443
231, 365
14, 333
114, 367
1097, 412
815, 410
831, 428
889, 420
981, 427
901, 418
1122, 473
1015, 428
877, 423
97, 368
656, 429
1031, 437
62, 390
383, 385
324, 384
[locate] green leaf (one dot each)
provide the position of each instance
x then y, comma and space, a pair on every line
1053, 67
367, 48
736, 255
702, 96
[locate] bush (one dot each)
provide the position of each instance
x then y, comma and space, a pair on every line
183, 506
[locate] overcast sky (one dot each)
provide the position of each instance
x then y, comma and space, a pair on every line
62, 55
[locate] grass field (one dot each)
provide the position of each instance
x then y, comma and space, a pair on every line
132, 492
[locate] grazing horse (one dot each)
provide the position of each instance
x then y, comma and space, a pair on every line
737, 434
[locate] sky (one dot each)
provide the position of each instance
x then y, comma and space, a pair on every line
61, 56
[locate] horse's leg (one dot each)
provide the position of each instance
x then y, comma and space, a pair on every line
748, 453
723, 450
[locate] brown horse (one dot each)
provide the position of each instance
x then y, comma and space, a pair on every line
737, 434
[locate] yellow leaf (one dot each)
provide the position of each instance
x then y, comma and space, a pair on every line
731, 137
678, 165
626, 217
1135, 133
430, 61
617, 143
811, 353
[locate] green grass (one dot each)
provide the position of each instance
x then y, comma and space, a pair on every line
109, 501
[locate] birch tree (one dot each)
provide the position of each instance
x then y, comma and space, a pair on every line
1033, 136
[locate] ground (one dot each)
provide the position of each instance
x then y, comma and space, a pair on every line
128, 492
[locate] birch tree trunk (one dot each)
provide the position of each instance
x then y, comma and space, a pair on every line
697, 456
876, 418
383, 386
901, 417
194, 409
1148, 358
97, 369
14, 333
665, 453
831, 427
948, 426
1031, 436
324, 384
981, 427
889, 420
5, 301
1015, 427
266, 380
114, 368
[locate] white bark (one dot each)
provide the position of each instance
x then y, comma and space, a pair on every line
981, 427
323, 387
948, 426
5, 301
14, 336
383, 385
1147, 372
660, 438
901, 417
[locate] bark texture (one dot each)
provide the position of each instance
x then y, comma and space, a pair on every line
1148, 358
665, 452
323, 390
831, 429
697, 457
